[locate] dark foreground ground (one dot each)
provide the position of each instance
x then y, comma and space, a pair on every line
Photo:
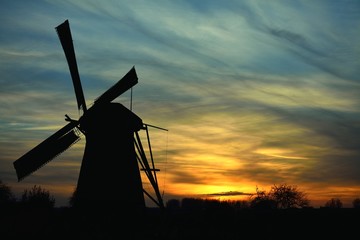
65, 223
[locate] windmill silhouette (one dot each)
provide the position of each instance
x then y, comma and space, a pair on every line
113, 152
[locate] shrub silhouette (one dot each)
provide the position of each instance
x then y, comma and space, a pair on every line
73, 199
37, 197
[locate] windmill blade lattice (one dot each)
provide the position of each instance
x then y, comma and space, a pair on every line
46, 151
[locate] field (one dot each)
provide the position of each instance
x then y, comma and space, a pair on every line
65, 223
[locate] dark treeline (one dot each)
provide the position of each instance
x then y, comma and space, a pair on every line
282, 196
264, 216
194, 219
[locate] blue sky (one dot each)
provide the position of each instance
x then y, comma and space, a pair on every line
253, 93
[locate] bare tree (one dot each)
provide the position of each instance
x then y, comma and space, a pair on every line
280, 196
262, 200
287, 196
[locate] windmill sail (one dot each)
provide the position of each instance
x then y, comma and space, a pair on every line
125, 83
64, 34
46, 151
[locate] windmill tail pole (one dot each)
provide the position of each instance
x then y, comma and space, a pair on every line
149, 125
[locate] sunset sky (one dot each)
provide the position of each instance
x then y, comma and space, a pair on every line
253, 93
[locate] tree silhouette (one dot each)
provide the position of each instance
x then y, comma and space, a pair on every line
281, 196
6, 195
173, 204
192, 203
37, 197
356, 203
262, 200
287, 196
334, 203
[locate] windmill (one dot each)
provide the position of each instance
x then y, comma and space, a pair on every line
113, 155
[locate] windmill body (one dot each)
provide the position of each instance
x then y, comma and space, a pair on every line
109, 165
109, 174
